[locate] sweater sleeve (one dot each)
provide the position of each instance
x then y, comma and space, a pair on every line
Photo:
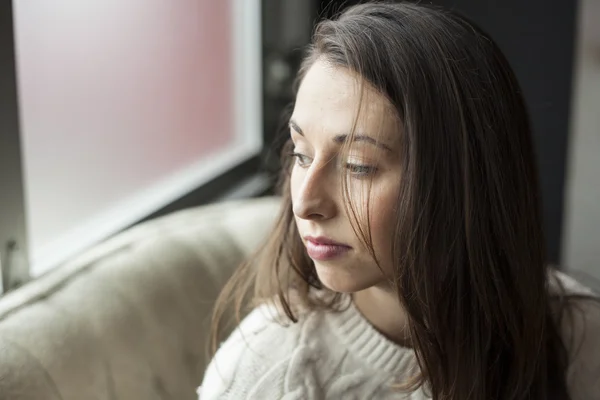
253, 361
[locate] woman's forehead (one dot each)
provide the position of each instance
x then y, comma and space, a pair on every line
330, 97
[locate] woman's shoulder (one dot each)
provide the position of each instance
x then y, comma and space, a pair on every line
259, 349
579, 320
577, 311
264, 332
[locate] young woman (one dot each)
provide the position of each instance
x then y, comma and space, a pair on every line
408, 258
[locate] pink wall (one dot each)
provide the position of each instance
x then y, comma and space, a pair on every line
115, 96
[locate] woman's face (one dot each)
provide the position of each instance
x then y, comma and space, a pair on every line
325, 113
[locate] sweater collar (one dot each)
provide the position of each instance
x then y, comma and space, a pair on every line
371, 346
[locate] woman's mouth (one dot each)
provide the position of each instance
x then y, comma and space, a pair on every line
323, 249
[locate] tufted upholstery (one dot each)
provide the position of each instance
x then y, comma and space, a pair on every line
129, 319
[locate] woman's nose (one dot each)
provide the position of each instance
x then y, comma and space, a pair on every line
312, 194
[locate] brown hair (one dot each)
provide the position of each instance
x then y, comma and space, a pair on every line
469, 250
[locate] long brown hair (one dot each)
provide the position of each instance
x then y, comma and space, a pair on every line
469, 248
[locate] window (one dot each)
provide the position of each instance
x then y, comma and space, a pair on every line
126, 106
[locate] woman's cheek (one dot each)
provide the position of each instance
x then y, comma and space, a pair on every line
383, 219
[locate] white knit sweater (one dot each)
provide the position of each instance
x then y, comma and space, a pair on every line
339, 355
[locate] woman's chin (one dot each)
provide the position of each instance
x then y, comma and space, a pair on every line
345, 280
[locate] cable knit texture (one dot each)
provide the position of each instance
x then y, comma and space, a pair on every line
326, 355
339, 355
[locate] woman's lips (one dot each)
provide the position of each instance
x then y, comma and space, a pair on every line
323, 249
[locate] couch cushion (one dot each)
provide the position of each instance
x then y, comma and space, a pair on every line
129, 318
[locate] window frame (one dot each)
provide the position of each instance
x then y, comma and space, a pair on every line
237, 167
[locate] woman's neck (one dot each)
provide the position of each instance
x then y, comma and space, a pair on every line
381, 308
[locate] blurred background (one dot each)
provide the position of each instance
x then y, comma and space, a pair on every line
113, 112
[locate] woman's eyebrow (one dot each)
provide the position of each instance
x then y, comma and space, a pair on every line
361, 138
295, 127
342, 138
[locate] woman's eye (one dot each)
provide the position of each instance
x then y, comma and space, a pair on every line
360, 170
301, 159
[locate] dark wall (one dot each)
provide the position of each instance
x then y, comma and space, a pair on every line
538, 37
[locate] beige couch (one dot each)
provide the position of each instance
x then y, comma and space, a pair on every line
128, 320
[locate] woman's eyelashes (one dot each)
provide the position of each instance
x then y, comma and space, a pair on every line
358, 170
301, 160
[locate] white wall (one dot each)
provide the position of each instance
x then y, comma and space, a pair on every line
582, 214
125, 106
